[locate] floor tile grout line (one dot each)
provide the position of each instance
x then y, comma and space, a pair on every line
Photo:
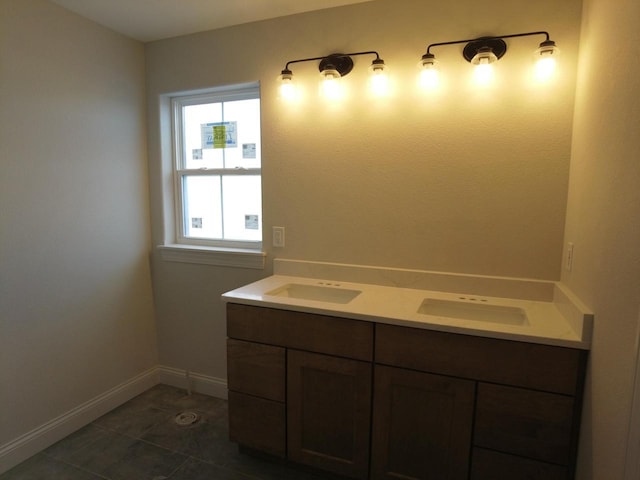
153, 444
178, 467
225, 467
82, 469
118, 434
46, 453
163, 447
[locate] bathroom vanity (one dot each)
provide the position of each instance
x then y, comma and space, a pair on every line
384, 382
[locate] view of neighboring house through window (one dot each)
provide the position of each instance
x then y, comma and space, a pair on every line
218, 168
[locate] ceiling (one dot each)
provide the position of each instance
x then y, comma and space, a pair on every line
148, 20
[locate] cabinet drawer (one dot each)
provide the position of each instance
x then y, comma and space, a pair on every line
489, 465
256, 369
533, 424
257, 423
542, 367
303, 331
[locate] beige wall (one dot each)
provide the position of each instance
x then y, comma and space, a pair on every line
459, 182
603, 221
456, 182
76, 311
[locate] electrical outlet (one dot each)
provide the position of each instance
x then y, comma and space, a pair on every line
569, 259
278, 237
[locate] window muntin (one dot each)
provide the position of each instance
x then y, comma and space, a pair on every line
218, 169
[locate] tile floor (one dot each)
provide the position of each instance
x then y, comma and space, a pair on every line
140, 440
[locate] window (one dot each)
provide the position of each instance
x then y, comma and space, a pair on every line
217, 171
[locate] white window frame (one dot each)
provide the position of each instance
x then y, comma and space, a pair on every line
222, 252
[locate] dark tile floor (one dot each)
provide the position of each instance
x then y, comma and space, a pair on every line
140, 440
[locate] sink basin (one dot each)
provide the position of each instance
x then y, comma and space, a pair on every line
315, 292
473, 310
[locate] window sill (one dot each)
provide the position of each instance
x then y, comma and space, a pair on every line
224, 257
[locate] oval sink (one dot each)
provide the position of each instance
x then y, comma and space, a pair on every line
315, 292
468, 310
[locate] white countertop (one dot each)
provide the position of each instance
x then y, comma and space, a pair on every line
562, 321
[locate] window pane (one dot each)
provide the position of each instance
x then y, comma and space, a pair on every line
202, 207
239, 120
195, 156
242, 202
247, 115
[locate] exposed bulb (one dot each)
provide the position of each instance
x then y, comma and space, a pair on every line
483, 72
287, 88
429, 78
331, 87
546, 56
379, 77
545, 68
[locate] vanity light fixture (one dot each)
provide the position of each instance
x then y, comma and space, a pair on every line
332, 69
484, 51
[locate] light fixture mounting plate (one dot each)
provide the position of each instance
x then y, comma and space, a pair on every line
341, 62
496, 44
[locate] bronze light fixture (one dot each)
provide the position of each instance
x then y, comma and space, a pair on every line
484, 51
332, 68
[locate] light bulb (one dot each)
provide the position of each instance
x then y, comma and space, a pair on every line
379, 78
545, 68
287, 87
545, 56
483, 71
429, 76
331, 87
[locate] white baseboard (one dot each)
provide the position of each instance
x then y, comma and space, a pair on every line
23, 447
196, 382
36, 440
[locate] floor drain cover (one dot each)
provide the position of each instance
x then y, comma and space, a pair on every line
186, 418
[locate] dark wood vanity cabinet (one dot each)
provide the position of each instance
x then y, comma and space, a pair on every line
325, 363
380, 401
527, 397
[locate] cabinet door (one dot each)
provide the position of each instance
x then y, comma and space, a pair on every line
422, 425
328, 412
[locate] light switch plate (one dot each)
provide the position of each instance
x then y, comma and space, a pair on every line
569, 260
278, 237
